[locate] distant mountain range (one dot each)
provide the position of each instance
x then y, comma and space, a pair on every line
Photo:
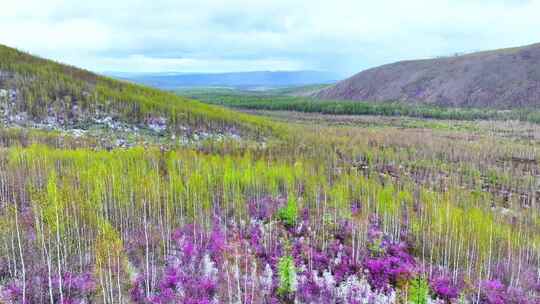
505, 78
241, 80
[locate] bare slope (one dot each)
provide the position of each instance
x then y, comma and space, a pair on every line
506, 78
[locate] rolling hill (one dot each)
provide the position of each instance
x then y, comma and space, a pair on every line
506, 79
37, 92
241, 80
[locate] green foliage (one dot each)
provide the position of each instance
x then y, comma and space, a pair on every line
287, 276
52, 207
418, 291
48, 88
443, 187
289, 213
438, 196
340, 107
462, 299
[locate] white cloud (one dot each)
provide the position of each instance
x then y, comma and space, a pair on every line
141, 63
207, 35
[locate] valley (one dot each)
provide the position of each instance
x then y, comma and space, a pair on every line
112, 192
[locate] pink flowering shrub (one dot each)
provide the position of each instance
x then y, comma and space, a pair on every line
268, 259
77, 288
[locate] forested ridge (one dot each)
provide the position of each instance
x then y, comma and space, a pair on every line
43, 88
283, 102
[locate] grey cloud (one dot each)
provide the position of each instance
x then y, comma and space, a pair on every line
210, 35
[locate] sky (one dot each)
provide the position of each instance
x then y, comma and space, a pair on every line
210, 36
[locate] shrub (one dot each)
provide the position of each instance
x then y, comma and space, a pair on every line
443, 288
419, 291
287, 276
289, 213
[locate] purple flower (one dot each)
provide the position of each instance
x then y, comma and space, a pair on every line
443, 288
492, 292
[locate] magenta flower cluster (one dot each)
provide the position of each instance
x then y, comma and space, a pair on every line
247, 261
76, 288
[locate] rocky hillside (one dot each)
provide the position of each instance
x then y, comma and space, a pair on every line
40, 93
506, 78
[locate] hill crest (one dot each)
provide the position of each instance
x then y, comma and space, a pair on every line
41, 93
506, 78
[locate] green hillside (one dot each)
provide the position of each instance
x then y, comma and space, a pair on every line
42, 88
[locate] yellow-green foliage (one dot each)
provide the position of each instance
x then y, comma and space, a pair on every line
116, 186
110, 195
466, 201
46, 86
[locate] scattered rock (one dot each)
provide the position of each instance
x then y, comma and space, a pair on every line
78, 132
19, 118
122, 143
157, 124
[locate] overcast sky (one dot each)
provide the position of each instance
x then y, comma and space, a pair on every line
344, 36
